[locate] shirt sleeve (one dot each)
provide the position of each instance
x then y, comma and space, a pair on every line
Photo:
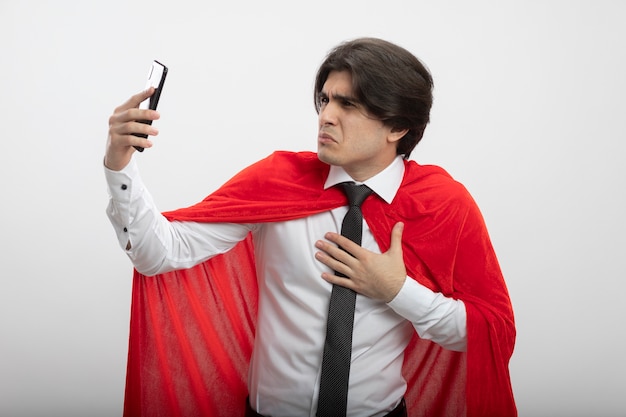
154, 244
434, 316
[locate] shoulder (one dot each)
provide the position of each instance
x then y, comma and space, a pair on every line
284, 170
432, 178
291, 166
427, 187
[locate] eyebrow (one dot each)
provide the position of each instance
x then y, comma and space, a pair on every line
340, 97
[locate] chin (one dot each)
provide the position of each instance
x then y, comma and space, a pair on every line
324, 156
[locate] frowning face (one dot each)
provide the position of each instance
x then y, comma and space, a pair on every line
348, 135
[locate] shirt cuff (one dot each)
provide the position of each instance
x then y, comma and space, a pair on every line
413, 300
120, 183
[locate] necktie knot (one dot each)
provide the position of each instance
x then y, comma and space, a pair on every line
356, 193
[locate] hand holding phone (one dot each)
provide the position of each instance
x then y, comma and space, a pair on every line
156, 79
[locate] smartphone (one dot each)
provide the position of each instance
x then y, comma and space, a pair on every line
156, 79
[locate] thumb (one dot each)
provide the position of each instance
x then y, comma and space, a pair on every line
396, 237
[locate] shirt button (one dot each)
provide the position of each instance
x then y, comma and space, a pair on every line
125, 230
124, 186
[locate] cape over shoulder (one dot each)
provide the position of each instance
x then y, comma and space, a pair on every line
283, 186
288, 185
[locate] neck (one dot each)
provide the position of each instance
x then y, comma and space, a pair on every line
365, 172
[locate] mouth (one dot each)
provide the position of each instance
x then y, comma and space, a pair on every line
324, 138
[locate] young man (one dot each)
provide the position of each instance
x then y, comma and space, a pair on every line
431, 325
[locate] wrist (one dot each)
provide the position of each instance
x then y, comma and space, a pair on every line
395, 289
116, 163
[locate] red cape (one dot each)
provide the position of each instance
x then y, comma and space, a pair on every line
192, 330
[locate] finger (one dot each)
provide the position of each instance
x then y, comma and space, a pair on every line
332, 262
139, 142
125, 122
133, 127
337, 280
396, 237
135, 100
123, 141
121, 118
345, 243
341, 254
142, 114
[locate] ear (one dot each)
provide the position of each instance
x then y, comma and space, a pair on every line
396, 134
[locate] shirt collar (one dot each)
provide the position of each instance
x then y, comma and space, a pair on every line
386, 183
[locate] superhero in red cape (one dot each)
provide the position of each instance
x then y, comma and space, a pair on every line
229, 309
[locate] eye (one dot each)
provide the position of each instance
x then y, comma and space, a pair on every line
347, 103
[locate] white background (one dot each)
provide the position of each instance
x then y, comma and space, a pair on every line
529, 114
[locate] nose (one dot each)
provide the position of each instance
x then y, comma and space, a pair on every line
327, 115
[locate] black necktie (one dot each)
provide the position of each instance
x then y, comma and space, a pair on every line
333, 395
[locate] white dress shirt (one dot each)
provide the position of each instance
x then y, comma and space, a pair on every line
293, 298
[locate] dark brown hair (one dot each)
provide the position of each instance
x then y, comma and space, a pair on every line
390, 82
